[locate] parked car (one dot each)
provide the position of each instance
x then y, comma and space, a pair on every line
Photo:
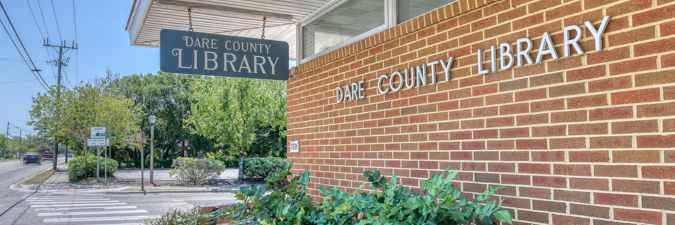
48, 156
32, 157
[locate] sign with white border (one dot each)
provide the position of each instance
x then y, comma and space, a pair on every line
95, 131
97, 142
294, 146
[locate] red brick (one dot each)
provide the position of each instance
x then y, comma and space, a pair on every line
572, 169
646, 95
542, 193
628, 7
499, 122
572, 196
570, 116
611, 142
549, 105
589, 128
656, 141
640, 216
549, 206
669, 188
669, 92
667, 29
631, 66
628, 127
588, 73
531, 144
654, 47
654, 15
514, 109
515, 179
654, 110
548, 131
500, 145
610, 84
532, 119
637, 186
616, 171
611, 113
533, 216
636, 156
601, 57
534, 168
502, 167
589, 183
615, 199
632, 36
589, 156
658, 172
590, 210
587, 101
515, 132
556, 182
568, 143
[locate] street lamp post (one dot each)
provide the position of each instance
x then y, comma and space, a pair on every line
152, 144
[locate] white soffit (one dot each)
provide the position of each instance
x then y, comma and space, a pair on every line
241, 18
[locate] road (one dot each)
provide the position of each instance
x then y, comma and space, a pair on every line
84, 208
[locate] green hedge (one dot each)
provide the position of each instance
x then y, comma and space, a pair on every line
260, 168
136, 164
229, 162
78, 169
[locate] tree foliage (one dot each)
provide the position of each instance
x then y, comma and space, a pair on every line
229, 110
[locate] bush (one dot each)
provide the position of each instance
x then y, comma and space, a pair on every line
136, 164
229, 162
78, 169
196, 171
175, 216
260, 168
438, 202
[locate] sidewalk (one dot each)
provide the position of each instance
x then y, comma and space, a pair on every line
128, 183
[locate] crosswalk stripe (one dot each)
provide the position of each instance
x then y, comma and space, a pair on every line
124, 224
95, 219
72, 205
65, 197
95, 207
92, 213
52, 200
49, 203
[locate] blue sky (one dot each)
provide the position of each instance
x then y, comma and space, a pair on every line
103, 44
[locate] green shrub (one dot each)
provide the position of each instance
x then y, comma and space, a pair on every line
78, 169
283, 202
196, 171
176, 217
230, 162
136, 164
260, 168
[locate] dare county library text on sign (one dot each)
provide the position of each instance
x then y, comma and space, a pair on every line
417, 76
219, 55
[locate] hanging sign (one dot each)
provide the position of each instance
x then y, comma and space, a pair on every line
219, 55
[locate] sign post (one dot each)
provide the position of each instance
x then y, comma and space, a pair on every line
98, 143
94, 135
187, 52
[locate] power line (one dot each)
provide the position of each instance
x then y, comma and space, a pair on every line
18, 81
57, 20
43, 19
20, 60
36, 23
24, 47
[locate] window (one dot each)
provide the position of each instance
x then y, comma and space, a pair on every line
409, 9
347, 21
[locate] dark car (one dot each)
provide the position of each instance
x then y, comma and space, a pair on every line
32, 157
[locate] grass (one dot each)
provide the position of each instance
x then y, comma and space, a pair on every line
39, 178
1, 159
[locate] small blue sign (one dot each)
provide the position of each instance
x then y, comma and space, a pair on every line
219, 55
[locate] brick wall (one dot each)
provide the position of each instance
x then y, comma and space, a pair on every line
584, 139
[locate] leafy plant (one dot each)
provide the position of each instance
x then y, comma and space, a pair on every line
196, 171
78, 168
260, 168
176, 217
438, 202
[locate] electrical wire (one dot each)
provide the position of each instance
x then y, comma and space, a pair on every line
57, 20
19, 38
36, 23
18, 81
43, 19
24, 59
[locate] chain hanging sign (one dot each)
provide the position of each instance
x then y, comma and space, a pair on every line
219, 55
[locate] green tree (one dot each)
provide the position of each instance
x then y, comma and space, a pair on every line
84, 107
230, 110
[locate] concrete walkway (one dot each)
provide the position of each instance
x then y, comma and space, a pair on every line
163, 174
58, 182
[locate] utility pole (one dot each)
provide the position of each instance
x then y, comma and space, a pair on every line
60, 64
4, 155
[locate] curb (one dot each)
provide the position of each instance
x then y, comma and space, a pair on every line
16, 185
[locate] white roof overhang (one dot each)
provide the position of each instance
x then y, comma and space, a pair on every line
243, 18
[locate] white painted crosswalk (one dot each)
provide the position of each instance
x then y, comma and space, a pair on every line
86, 210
